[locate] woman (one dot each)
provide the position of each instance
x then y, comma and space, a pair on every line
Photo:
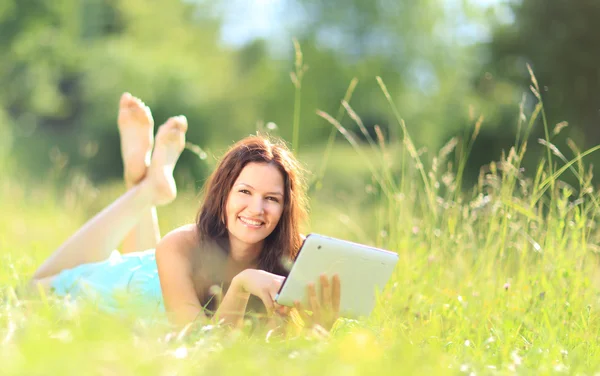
246, 230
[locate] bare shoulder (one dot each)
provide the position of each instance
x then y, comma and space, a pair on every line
183, 240
175, 266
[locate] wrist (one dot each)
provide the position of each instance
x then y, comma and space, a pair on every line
238, 286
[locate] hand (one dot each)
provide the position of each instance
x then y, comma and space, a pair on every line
263, 284
325, 305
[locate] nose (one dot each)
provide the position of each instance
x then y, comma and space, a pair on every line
256, 205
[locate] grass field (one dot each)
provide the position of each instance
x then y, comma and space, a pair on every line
499, 278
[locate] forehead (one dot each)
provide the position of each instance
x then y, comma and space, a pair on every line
261, 176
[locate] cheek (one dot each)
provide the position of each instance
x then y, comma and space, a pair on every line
233, 205
277, 212
230, 214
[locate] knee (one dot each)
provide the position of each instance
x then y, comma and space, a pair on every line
45, 284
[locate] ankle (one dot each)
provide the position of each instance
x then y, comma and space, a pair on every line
148, 188
160, 187
130, 182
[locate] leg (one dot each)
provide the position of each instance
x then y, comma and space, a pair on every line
103, 233
135, 127
145, 234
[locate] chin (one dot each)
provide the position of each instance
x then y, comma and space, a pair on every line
251, 238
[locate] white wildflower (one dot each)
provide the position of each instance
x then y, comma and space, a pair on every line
181, 352
516, 358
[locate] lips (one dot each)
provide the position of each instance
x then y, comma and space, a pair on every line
251, 222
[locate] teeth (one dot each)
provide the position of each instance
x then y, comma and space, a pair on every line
251, 222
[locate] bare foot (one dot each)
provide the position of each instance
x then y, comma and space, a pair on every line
170, 141
136, 128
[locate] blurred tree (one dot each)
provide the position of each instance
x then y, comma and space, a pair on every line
65, 63
409, 44
560, 40
414, 47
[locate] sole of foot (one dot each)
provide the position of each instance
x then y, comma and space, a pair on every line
136, 128
169, 143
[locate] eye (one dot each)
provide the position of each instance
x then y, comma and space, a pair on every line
274, 199
245, 191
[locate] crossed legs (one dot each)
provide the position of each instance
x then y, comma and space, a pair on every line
131, 218
136, 127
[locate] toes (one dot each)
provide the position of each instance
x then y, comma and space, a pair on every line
178, 123
135, 108
128, 100
135, 104
148, 113
182, 123
131, 103
125, 98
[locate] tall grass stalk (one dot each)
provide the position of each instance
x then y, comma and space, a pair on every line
464, 157
331, 139
351, 139
296, 77
535, 88
409, 147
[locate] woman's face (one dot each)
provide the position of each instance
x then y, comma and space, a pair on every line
254, 206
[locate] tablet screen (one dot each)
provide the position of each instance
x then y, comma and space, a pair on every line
363, 270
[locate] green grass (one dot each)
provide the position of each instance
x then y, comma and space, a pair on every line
496, 279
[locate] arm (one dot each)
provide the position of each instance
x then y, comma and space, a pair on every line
263, 284
233, 305
173, 260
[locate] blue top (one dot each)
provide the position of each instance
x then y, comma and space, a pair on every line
119, 281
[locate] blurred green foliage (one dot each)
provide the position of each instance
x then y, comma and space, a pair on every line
64, 64
559, 40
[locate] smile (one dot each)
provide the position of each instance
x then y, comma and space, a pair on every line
251, 222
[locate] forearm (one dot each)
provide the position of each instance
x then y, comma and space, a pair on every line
233, 306
184, 315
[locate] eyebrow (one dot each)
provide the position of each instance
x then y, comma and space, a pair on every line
269, 193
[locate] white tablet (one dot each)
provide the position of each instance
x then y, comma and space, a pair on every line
363, 270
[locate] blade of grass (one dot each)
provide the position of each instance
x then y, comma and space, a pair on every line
296, 76
410, 147
349, 91
358, 149
549, 181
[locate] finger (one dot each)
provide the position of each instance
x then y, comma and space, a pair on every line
302, 313
277, 282
325, 289
336, 295
313, 301
285, 310
281, 309
272, 293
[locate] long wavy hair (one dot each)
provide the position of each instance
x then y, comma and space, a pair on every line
284, 242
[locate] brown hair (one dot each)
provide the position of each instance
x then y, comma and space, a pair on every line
285, 240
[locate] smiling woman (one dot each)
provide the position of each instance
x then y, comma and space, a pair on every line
253, 211
249, 222
258, 179
247, 230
